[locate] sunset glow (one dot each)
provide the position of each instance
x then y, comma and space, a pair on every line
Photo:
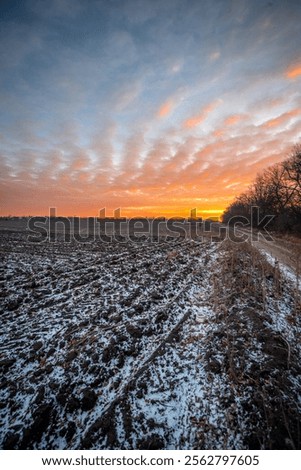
152, 107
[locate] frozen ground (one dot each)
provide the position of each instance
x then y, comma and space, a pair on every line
177, 345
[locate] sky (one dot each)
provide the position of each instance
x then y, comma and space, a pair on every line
154, 107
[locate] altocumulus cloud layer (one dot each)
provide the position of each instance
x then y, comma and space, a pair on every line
155, 107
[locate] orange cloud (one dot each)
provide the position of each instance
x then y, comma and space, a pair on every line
80, 162
193, 122
197, 120
171, 178
282, 118
232, 120
165, 109
293, 72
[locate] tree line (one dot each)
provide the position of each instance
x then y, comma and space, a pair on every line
276, 191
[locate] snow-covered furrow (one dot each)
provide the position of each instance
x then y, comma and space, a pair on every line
84, 325
145, 345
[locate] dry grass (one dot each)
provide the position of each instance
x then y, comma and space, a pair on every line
244, 285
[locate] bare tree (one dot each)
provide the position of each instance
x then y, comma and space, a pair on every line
277, 191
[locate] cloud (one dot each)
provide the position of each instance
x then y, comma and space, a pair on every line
282, 119
126, 96
167, 175
233, 119
80, 161
197, 120
165, 109
176, 67
114, 103
293, 72
214, 56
